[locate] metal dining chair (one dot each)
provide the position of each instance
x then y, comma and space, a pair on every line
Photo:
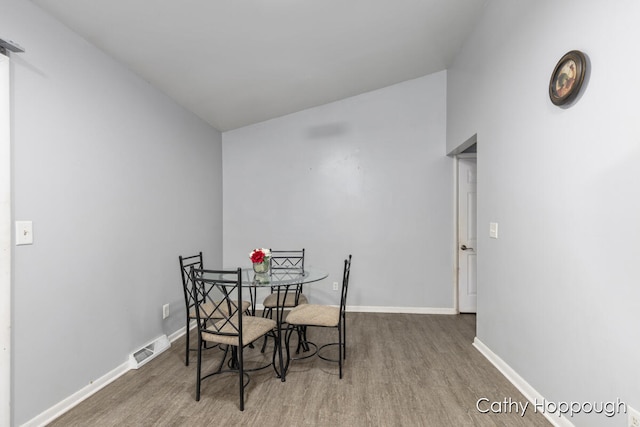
325, 316
186, 263
290, 262
285, 262
221, 322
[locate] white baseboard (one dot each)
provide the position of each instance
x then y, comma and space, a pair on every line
359, 309
63, 406
525, 388
180, 332
409, 310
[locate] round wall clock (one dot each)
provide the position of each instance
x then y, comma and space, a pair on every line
567, 77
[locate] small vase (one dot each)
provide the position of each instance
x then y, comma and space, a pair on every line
261, 267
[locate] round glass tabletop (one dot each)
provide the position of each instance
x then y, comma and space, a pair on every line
285, 277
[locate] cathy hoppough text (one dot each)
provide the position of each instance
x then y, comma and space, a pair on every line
510, 406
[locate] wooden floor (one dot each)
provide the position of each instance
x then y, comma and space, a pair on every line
401, 370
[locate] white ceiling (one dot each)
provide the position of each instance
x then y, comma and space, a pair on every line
238, 62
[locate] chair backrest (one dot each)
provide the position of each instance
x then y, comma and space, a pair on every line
216, 293
186, 263
289, 263
287, 260
345, 285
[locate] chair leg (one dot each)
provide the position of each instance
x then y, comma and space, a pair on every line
344, 337
287, 337
303, 343
340, 350
300, 340
306, 341
198, 369
241, 375
186, 356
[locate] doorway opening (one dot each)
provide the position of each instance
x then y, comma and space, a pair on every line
466, 232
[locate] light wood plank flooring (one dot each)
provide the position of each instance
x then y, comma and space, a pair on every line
401, 370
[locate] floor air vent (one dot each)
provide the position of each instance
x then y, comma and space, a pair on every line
148, 352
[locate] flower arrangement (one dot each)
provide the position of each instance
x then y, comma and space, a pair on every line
258, 256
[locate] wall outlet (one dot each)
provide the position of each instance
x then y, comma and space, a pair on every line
165, 311
335, 286
634, 417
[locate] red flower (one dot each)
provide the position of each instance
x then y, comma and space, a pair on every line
260, 255
257, 256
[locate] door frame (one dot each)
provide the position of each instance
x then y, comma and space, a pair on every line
456, 260
5, 241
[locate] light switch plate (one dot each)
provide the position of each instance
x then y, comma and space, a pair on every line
24, 233
493, 230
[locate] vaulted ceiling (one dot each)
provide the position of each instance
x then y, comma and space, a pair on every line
239, 62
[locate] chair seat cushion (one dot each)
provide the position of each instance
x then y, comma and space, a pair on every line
314, 315
208, 307
289, 300
252, 329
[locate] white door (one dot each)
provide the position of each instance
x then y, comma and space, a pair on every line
467, 236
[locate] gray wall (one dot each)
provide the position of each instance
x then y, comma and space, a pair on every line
558, 294
365, 175
118, 181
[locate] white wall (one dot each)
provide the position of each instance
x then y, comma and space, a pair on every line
118, 181
559, 299
365, 175
5, 241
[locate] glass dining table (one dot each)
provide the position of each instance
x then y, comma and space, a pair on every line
280, 282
